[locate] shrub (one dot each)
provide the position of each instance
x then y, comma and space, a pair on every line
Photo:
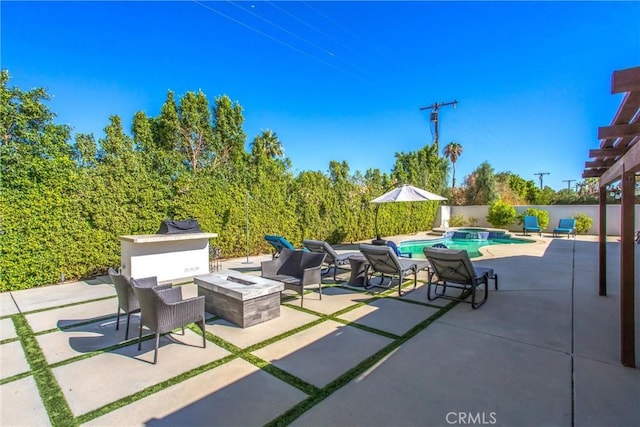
583, 222
543, 217
456, 220
501, 214
473, 221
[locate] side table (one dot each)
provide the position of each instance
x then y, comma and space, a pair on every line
358, 270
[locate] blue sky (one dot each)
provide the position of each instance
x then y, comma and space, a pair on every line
344, 80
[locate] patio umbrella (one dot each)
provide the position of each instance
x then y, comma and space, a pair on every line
404, 193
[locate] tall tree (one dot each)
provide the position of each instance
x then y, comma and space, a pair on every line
452, 151
195, 129
229, 137
267, 143
481, 186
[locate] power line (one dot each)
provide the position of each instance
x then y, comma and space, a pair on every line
434, 117
275, 39
541, 174
281, 28
568, 181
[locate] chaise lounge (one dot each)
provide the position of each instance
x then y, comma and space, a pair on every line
453, 268
333, 259
384, 261
278, 243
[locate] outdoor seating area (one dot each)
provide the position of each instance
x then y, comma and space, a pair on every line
547, 331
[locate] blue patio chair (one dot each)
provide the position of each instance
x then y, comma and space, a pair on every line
566, 225
278, 243
397, 250
530, 223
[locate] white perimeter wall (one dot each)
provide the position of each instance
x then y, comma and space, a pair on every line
555, 213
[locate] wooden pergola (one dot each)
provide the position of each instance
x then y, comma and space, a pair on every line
618, 159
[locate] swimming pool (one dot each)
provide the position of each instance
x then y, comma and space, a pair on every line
459, 241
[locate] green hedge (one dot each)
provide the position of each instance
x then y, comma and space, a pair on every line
64, 202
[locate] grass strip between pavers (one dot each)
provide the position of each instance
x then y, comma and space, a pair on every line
60, 413
8, 340
51, 394
282, 375
110, 407
294, 413
15, 378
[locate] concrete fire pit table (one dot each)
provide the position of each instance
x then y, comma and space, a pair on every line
242, 299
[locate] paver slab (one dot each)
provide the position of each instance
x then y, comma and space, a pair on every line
21, 404
536, 317
420, 295
7, 329
322, 353
62, 345
243, 337
212, 398
93, 382
333, 299
74, 314
12, 360
606, 394
447, 370
390, 315
7, 306
57, 295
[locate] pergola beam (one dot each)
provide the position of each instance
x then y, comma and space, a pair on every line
626, 80
607, 152
630, 162
593, 173
618, 131
596, 164
626, 112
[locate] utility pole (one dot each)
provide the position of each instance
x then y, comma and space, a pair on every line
434, 117
541, 174
569, 181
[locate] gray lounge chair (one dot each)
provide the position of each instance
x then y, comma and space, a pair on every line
333, 259
127, 299
295, 269
164, 310
453, 268
384, 261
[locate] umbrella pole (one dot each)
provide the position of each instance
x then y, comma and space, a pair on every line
376, 222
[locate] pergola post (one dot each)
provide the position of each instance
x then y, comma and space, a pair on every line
602, 242
627, 275
618, 158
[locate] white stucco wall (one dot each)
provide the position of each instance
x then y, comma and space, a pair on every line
555, 213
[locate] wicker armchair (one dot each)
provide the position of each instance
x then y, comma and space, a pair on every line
165, 310
296, 269
127, 300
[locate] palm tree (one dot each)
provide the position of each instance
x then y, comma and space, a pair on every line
452, 151
268, 143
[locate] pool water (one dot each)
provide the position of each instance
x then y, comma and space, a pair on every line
470, 245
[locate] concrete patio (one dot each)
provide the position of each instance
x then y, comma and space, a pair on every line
544, 350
